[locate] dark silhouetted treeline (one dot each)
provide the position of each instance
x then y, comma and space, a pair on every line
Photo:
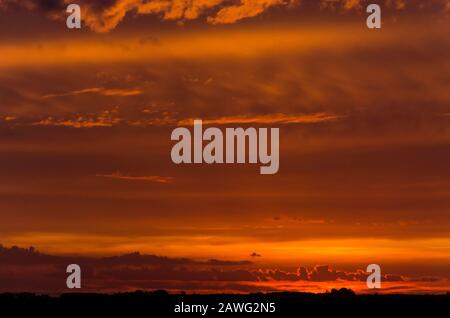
338, 303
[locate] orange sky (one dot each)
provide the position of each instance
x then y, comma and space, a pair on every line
86, 117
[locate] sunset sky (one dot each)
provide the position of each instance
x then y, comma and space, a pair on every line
364, 117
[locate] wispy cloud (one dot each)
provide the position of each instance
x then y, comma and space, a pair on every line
246, 9
268, 119
7, 118
80, 122
98, 90
109, 119
157, 179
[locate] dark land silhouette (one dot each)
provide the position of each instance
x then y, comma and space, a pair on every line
339, 303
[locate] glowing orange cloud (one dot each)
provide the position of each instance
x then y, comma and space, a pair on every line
105, 17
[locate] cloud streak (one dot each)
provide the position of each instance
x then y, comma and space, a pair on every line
267, 119
79, 122
119, 176
98, 90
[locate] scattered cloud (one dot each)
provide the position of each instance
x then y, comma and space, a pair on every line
104, 16
137, 270
254, 254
